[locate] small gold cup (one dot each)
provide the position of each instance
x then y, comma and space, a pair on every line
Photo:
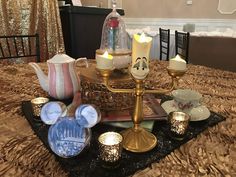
37, 104
110, 149
178, 124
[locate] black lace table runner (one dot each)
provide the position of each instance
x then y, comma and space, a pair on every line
87, 163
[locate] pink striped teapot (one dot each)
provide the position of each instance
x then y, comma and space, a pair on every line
62, 81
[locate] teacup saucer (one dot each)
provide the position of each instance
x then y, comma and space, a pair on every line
196, 114
199, 113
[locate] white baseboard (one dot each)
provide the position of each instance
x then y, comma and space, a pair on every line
177, 23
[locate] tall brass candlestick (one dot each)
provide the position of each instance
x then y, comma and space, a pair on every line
137, 139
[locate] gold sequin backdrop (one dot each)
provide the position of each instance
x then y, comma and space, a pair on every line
33, 16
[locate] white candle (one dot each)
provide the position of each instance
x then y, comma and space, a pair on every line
104, 61
177, 63
141, 46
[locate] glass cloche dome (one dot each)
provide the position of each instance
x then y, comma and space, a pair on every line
115, 39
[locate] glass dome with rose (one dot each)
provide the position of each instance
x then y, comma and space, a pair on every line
115, 39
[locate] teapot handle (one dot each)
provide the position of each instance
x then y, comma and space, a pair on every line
84, 59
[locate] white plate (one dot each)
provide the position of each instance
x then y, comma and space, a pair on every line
196, 114
199, 113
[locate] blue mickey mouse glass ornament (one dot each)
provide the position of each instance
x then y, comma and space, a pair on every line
67, 138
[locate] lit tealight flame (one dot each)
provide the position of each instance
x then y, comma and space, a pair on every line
142, 38
179, 58
110, 140
106, 55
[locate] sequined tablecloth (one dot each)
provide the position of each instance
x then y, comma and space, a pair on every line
212, 153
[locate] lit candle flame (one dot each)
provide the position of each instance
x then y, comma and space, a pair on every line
179, 118
142, 38
107, 56
179, 58
109, 140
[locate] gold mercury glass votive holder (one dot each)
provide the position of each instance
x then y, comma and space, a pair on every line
110, 149
37, 104
178, 124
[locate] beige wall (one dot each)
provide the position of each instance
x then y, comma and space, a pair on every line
168, 9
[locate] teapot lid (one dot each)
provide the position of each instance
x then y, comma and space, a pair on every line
61, 58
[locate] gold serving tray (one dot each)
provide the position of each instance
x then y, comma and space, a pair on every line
94, 92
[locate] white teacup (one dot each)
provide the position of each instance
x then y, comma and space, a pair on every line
185, 99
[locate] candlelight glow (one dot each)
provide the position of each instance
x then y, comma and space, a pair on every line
179, 117
142, 38
107, 56
110, 140
178, 58
110, 147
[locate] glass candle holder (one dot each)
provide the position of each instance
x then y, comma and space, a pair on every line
110, 149
178, 124
37, 104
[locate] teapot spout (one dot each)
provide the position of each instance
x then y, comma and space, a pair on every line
43, 79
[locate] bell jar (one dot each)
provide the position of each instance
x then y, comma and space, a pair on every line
115, 39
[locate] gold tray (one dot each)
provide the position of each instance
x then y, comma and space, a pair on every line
94, 92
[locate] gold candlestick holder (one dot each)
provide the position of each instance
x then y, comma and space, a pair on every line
137, 139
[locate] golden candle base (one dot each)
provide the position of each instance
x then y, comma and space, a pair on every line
138, 140
176, 73
104, 72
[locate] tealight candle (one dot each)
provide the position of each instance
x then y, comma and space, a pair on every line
110, 149
178, 124
104, 61
177, 63
141, 46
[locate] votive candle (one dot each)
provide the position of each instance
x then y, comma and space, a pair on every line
110, 148
104, 61
177, 63
178, 124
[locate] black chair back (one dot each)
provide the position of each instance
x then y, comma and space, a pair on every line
182, 44
20, 46
164, 43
